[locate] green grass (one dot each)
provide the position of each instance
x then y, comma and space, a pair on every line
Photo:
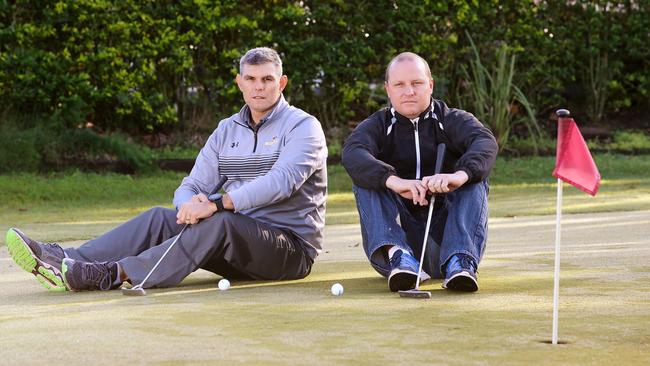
603, 309
519, 186
612, 167
525, 186
603, 301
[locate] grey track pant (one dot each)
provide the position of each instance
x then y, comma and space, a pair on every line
232, 245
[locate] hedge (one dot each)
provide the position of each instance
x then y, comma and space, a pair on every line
160, 65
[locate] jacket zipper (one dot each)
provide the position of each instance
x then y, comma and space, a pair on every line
254, 134
417, 149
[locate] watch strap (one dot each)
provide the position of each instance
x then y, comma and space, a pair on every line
219, 203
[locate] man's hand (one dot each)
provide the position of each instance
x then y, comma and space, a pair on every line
200, 198
444, 183
191, 212
200, 207
408, 188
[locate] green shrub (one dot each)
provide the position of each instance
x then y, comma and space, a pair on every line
147, 66
18, 151
86, 145
176, 152
494, 98
630, 141
525, 146
622, 142
55, 148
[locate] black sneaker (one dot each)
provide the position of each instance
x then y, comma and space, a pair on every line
80, 276
43, 260
461, 274
403, 271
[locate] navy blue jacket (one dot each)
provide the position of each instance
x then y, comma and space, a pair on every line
387, 143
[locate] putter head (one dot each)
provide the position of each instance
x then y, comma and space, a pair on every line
415, 294
134, 291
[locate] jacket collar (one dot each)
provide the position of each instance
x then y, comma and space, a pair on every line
244, 115
427, 113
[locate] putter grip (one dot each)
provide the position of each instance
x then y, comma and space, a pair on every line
440, 158
220, 183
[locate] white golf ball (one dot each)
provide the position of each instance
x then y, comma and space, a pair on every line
224, 284
337, 289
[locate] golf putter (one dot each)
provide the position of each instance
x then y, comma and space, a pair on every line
137, 290
416, 293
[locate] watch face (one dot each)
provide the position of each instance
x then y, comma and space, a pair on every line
215, 197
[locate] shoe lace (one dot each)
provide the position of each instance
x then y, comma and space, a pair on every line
394, 260
52, 246
97, 274
467, 262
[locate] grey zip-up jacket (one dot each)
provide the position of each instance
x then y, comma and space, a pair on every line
277, 172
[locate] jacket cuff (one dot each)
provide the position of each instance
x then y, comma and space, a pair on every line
181, 197
385, 177
468, 171
238, 199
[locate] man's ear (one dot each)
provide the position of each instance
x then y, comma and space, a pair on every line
238, 81
283, 82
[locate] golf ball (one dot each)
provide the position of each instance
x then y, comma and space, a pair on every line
337, 289
224, 284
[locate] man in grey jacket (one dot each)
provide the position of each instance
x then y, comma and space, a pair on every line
268, 225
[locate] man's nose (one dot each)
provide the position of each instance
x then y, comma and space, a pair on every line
410, 90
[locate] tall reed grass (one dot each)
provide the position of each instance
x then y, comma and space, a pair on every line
493, 97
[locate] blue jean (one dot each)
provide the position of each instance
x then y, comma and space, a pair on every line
458, 225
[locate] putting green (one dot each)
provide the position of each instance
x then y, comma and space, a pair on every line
604, 312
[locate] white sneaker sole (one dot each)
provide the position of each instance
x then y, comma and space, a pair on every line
461, 281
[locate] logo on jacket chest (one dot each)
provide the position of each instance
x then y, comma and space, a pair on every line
234, 144
272, 142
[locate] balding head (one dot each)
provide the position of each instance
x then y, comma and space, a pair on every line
410, 57
409, 84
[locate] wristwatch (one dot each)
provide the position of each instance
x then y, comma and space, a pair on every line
217, 198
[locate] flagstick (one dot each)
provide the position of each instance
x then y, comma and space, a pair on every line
556, 285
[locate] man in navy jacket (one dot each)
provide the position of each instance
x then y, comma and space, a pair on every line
391, 156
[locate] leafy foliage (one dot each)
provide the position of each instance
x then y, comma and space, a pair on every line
495, 99
158, 66
44, 147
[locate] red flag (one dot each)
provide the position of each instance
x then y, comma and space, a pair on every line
573, 161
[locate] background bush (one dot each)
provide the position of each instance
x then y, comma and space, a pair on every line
145, 67
45, 147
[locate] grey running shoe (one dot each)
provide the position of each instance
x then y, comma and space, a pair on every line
80, 276
43, 260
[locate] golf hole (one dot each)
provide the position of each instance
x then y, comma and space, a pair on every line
551, 342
